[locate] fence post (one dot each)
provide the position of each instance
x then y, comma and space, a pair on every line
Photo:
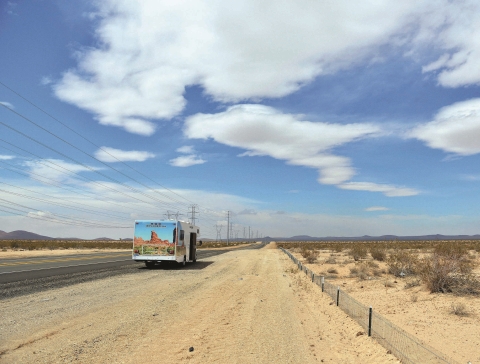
323, 284
313, 277
370, 321
338, 295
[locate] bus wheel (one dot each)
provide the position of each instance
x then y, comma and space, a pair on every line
195, 259
184, 260
150, 264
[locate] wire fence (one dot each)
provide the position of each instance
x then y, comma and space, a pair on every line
403, 345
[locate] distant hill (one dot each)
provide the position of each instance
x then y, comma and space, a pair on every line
26, 235
22, 235
379, 238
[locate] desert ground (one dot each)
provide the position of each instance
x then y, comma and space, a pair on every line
449, 323
244, 306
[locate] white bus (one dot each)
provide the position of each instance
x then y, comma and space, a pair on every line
157, 241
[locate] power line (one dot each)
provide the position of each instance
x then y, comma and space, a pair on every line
88, 140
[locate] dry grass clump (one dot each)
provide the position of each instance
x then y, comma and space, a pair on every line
459, 309
332, 271
330, 260
362, 271
415, 282
402, 263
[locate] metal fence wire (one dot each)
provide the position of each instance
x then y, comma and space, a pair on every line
403, 345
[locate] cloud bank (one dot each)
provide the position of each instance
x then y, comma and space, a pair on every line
455, 129
148, 52
265, 131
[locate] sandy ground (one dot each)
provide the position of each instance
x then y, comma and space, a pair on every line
245, 306
425, 315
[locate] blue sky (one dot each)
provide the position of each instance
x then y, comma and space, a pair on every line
301, 118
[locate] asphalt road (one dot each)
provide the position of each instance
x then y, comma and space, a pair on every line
28, 275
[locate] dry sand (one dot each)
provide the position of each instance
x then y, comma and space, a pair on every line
245, 306
425, 315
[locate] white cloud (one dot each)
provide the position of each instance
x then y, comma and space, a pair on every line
55, 169
149, 51
376, 208
455, 129
453, 28
187, 149
6, 157
387, 190
106, 154
186, 161
7, 104
264, 131
46, 80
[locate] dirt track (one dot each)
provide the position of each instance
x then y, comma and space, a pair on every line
246, 306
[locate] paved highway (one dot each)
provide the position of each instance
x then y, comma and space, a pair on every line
28, 275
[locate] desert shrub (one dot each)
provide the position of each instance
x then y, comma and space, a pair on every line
309, 255
354, 270
402, 263
332, 271
448, 271
378, 253
358, 251
371, 264
14, 245
337, 248
451, 249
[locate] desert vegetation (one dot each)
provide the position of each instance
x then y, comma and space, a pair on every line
63, 244
440, 266
221, 244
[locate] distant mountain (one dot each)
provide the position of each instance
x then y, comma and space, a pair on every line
22, 235
380, 238
26, 235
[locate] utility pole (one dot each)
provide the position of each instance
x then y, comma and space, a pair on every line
231, 230
244, 234
249, 233
193, 211
228, 227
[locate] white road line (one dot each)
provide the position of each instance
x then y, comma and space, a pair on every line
64, 266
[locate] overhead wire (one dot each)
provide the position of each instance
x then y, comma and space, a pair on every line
78, 149
212, 212
88, 167
88, 140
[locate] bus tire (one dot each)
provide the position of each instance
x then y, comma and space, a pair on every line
184, 260
150, 265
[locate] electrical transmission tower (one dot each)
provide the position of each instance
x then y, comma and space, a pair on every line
171, 215
193, 211
219, 232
